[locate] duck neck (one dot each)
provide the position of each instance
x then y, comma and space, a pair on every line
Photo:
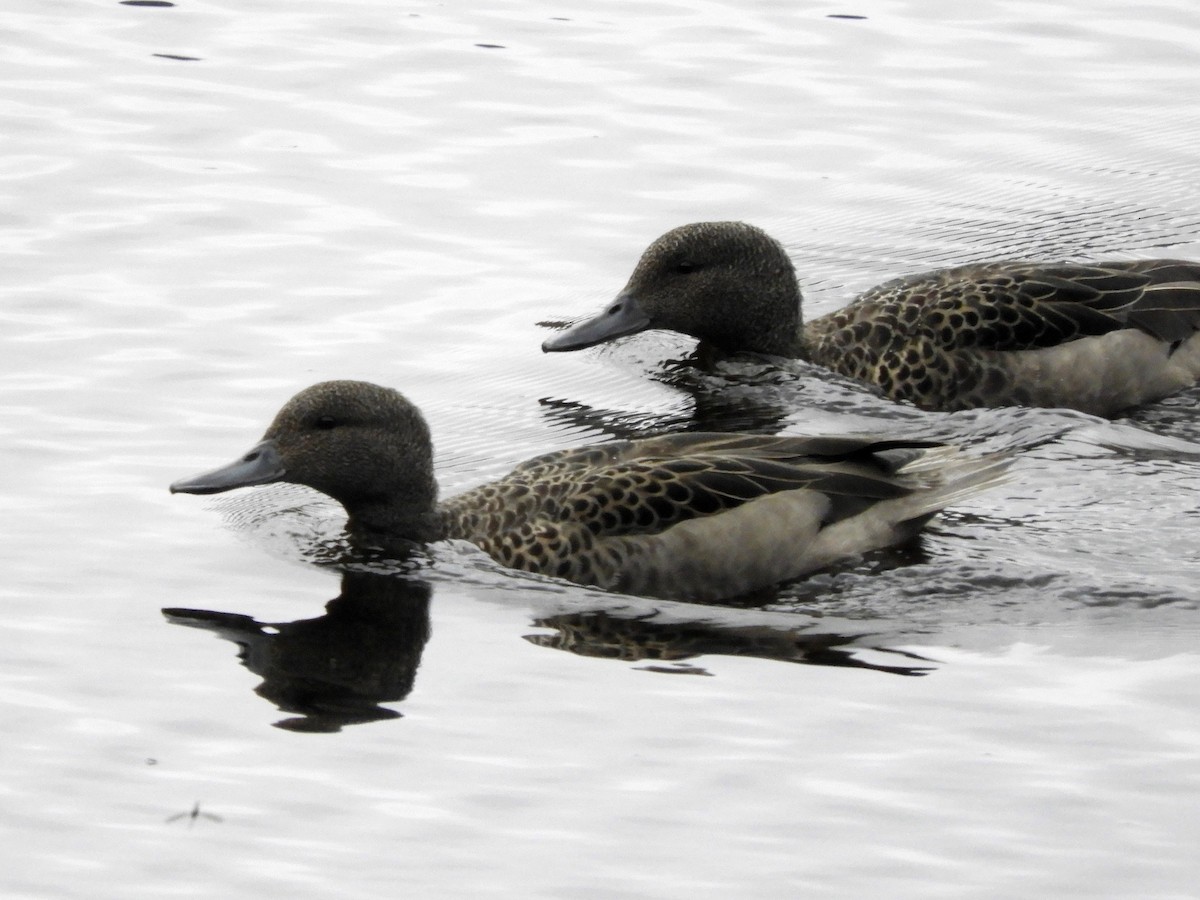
404, 507
770, 320
775, 327
376, 522
784, 338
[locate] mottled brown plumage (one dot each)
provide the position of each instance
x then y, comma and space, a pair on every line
1099, 338
690, 516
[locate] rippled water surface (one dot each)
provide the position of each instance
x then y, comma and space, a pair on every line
208, 205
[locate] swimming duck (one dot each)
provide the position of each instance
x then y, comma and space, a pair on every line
684, 516
1099, 338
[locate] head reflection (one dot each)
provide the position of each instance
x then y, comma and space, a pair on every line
336, 669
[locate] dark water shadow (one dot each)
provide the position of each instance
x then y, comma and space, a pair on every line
336, 669
765, 398
726, 393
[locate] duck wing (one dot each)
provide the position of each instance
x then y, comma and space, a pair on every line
645, 486
1023, 306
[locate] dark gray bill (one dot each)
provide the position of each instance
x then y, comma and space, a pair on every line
623, 316
261, 465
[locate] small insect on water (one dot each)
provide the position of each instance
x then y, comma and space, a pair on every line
193, 814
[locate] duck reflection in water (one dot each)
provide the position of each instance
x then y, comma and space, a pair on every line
658, 638
336, 669
741, 412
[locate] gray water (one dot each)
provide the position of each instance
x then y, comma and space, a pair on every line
209, 206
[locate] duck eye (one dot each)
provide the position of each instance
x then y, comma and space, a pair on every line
685, 268
326, 422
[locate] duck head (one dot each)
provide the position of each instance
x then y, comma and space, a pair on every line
364, 445
727, 283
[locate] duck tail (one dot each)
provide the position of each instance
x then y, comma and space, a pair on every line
944, 476
941, 477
